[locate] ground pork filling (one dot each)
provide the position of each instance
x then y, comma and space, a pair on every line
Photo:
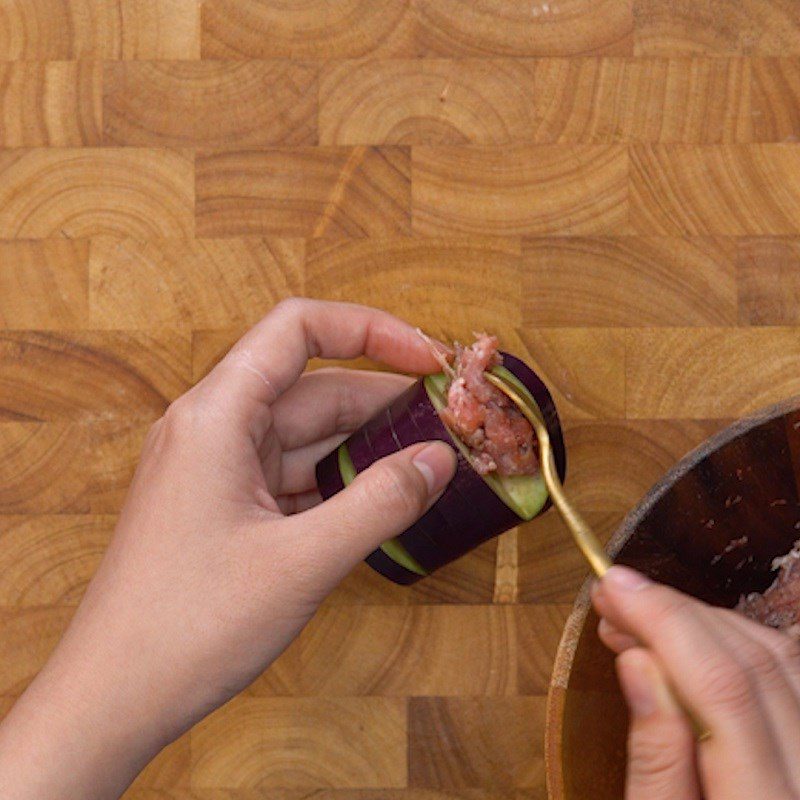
778, 606
498, 436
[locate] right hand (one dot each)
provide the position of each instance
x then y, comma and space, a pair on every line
740, 678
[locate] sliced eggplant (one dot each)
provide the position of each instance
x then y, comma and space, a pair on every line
526, 495
473, 508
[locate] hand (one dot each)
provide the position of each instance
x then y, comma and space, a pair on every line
207, 579
740, 678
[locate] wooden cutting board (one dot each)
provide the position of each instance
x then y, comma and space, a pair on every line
613, 187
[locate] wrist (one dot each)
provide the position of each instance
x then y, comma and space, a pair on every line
81, 729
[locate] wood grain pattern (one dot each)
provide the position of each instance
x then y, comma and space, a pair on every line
199, 283
49, 559
585, 368
417, 279
505, 27
83, 192
56, 104
629, 281
518, 191
168, 772
612, 186
347, 742
309, 192
539, 629
609, 100
712, 373
549, 566
313, 29
775, 103
616, 462
42, 468
80, 376
423, 650
763, 27
427, 101
734, 190
457, 743
94, 29
209, 103
44, 284
470, 580
768, 273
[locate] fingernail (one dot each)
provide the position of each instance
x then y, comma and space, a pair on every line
436, 463
614, 637
625, 579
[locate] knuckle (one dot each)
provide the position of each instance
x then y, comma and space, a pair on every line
184, 417
654, 755
762, 661
178, 414
291, 306
350, 408
670, 612
727, 685
787, 650
399, 488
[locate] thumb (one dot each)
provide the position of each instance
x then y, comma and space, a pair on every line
661, 745
385, 499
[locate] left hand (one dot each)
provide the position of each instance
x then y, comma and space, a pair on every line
211, 573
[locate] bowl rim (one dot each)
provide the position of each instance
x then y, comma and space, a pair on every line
565, 655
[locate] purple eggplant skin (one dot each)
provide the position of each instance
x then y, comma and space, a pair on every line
469, 512
329, 477
390, 569
541, 394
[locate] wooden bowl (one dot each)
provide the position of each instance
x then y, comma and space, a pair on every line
744, 481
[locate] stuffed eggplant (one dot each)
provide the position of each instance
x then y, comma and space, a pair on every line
497, 484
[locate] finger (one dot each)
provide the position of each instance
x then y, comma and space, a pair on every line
380, 503
771, 661
270, 357
330, 401
296, 503
298, 467
785, 648
741, 758
661, 757
613, 638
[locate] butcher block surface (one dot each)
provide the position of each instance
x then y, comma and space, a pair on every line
613, 187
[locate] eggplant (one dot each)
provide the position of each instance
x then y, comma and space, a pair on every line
474, 507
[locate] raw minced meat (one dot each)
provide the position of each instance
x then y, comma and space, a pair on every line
779, 605
498, 436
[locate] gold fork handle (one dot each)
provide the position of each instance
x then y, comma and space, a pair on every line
583, 535
581, 532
